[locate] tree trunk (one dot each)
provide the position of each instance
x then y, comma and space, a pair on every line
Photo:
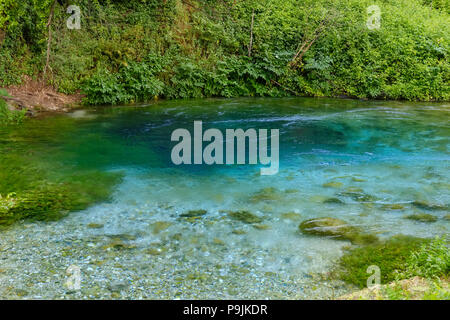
250, 45
49, 40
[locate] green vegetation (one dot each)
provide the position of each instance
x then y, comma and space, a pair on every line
400, 257
8, 116
432, 260
137, 50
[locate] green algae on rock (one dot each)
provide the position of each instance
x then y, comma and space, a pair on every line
333, 201
358, 195
428, 206
422, 217
336, 228
392, 206
159, 226
244, 216
194, 213
266, 194
51, 201
332, 184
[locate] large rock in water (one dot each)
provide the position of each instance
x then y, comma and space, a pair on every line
336, 228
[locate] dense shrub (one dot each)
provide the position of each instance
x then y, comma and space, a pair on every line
201, 49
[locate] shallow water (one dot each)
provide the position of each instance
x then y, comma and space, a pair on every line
394, 152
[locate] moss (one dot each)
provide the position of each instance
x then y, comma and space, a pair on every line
118, 244
332, 184
291, 216
390, 256
95, 225
359, 196
333, 201
422, 217
244, 216
159, 226
194, 213
53, 200
447, 217
428, 206
392, 206
266, 194
336, 228
261, 226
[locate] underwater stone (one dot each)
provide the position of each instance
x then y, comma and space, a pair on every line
336, 228
332, 184
422, 217
291, 216
392, 206
261, 226
359, 196
266, 194
118, 245
95, 225
428, 206
159, 226
333, 201
244, 216
194, 213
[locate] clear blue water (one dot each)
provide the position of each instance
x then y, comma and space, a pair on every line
395, 152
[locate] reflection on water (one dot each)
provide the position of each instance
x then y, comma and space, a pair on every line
376, 158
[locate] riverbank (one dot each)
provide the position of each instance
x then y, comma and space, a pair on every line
36, 97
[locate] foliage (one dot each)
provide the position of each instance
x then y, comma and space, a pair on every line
432, 260
390, 256
201, 48
398, 258
8, 116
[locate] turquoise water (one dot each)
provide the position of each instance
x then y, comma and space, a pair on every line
390, 152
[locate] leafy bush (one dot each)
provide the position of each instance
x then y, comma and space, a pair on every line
390, 256
201, 49
432, 260
8, 116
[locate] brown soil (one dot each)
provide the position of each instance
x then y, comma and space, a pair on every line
414, 289
37, 97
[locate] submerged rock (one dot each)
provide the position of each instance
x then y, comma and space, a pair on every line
422, 217
333, 201
392, 206
359, 196
244, 216
266, 194
159, 226
261, 226
95, 225
336, 228
332, 184
428, 206
291, 216
194, 213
